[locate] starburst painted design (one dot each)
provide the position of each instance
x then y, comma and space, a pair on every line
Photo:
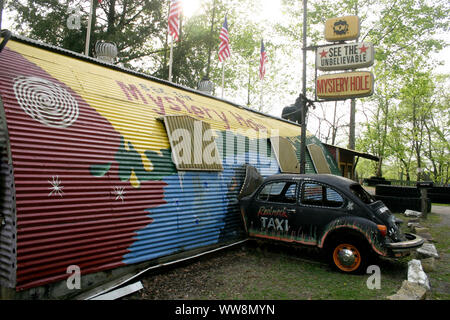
56, 187
119, 192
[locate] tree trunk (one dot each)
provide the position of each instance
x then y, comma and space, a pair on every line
430, 153
408, 178
379, 173
383, 139
248, 84
1, 12
94, 37
111, 17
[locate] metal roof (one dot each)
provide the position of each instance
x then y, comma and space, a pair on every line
135, 73
357, 153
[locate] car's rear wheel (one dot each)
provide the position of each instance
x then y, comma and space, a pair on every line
349, 256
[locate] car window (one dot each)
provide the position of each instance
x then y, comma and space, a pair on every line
290, 194
362, 194
284, 192
320, 195
333, 199
312, 194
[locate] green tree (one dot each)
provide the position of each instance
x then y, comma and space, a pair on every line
135, 26
422, 111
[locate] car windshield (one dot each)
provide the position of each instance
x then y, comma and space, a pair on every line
362, 194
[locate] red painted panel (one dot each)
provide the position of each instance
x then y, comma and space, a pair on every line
65, 215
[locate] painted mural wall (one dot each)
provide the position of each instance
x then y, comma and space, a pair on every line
94, 181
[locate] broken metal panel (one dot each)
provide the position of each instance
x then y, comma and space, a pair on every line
318, 159
285, 154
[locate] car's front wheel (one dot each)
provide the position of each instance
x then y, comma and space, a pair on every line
349, 256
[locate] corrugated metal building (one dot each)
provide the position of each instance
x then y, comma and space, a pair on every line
103, 167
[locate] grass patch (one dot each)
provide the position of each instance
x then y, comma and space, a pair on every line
440, 277
442, 204
286, 274
271, 271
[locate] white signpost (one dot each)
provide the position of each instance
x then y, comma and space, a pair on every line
345, 56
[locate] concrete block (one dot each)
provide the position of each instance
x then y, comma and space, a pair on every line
412, 213
417, 275
428, 250
409, 291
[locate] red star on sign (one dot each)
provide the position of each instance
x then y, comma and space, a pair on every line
363, 49
323, 54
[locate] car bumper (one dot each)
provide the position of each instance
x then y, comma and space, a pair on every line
404, 247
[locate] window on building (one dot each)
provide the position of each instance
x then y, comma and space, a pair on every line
193, 144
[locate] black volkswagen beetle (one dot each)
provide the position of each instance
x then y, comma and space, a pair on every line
326, 211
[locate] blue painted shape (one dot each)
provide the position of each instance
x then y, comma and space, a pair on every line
201, 209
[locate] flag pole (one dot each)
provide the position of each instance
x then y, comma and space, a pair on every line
170, 60
261, 98
88, 31
223, 76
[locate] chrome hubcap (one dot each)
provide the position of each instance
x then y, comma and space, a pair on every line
346, 257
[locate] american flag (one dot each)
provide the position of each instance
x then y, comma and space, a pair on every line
224, 47
174, 14
262, 61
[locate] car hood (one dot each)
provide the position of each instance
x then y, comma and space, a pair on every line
252, 181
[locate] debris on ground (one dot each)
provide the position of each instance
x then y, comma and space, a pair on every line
412, 213
409, 291
428, 250
417, 275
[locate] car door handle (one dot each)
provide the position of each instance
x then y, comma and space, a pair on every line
290, 210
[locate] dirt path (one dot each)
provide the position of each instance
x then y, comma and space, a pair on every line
440, 229
444, 212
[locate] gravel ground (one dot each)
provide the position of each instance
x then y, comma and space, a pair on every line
196, 279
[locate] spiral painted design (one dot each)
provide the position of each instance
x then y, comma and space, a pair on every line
46, 101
